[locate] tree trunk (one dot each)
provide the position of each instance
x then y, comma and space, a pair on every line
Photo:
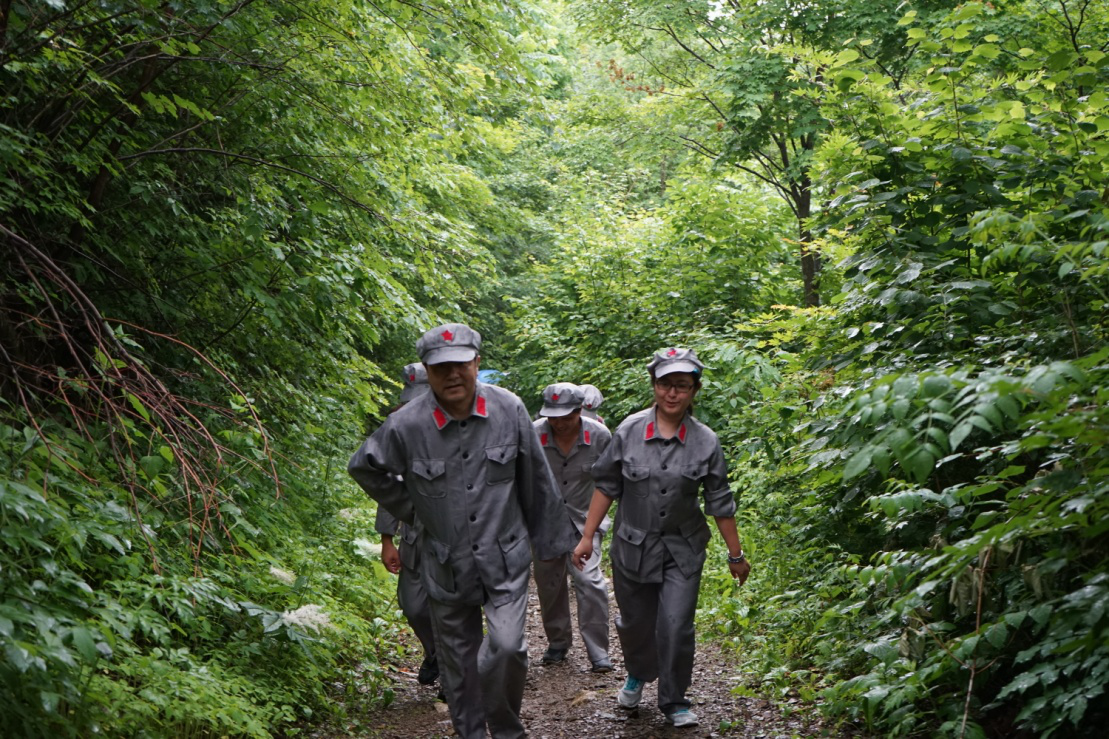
810, 260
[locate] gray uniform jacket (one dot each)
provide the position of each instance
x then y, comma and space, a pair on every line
656, 481
574, 472
481, 487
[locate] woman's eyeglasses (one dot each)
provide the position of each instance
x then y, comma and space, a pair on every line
682, 387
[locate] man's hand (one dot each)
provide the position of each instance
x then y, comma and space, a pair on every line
390, 557
740, 571
582, 552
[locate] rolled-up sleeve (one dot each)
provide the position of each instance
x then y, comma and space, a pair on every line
719, 500
550, 527
385, 523
608, 474
378, 467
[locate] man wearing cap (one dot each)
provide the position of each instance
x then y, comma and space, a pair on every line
659, 460
403, 561
466, 461
572, 444
591, 400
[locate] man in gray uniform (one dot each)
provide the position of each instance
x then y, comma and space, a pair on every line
572, 444
591, 400
403, 561
465, 460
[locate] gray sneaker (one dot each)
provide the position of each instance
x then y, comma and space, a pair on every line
629, 695
682, 717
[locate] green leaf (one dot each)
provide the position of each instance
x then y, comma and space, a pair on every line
857, 464
997, 634
919, 464
85, 644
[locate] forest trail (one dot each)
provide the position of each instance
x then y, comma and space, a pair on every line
567, 701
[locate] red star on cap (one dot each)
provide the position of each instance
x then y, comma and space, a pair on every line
447, 335
412, 378
554, 398
672, 352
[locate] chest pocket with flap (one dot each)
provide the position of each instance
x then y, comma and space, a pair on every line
500, 465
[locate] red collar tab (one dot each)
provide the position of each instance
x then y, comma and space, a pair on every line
447, 335
440, 418
585, 436
479, 407
650, 432
681, 433
543, 439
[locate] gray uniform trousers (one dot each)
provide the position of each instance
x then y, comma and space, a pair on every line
499, 661
413, 601
591, 591
655, 626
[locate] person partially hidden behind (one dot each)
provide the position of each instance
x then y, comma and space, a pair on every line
657, 462
572, 444
403, 560
591, 400
465, 460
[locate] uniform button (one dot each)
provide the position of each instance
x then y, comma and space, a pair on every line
664, 492
469, 487
475, 547
664, 467
465, 455
564, 482
473, 518
662, 513
463, 424
565, 463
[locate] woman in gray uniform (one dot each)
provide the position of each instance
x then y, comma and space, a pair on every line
657, 462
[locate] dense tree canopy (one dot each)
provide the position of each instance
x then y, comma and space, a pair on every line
883, 225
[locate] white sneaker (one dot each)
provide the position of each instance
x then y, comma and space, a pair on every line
629, 695
682, 717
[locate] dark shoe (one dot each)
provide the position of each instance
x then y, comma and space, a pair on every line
602, 665
429, 671
553, 656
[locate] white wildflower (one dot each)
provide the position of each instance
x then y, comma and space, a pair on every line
348, 514
283, 575
307, 617
367, 548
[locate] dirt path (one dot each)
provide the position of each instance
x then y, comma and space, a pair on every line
567, 700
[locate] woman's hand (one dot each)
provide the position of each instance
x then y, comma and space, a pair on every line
582, 552
739, 570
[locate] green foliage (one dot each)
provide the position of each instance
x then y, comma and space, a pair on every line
221, 227
921, 466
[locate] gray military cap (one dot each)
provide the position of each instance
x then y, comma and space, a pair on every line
415, 382
451, 342
672, 359
560, 399
591, 397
